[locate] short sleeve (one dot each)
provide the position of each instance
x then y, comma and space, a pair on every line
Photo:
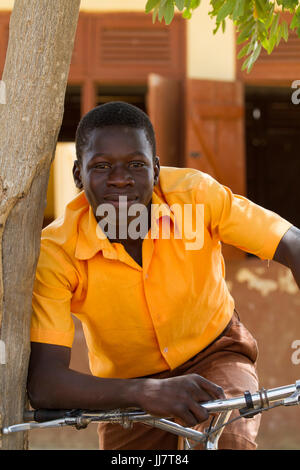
237, 221
51, 320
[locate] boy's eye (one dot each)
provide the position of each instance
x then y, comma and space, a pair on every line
136, 164
102, 166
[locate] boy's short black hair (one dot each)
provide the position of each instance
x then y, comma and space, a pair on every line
115, 113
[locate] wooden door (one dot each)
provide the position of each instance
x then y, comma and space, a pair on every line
165, 109
215, 142
273, 163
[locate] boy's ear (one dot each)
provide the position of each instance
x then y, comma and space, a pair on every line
77, 174
156, 170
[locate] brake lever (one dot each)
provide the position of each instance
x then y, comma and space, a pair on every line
78, 421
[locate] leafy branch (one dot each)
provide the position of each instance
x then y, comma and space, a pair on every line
165, 9
259, 23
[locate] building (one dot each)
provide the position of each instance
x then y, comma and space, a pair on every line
240, 128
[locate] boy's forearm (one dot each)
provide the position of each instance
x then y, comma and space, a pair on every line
288, 252
295, 268
69, 389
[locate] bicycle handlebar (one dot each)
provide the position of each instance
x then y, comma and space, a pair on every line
248, 404
249, 400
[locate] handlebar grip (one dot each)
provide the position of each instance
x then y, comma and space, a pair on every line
42, 415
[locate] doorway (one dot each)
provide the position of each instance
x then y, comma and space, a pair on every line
132, 94
272, 125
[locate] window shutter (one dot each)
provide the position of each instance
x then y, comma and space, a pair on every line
131, 45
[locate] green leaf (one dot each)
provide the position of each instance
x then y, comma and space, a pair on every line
245, 64
288, 4
265, 44
179, 4
225, 10
238, 9
194, 4
161, 10
187, 14
169, 11
295, 23
249, 62
279, 35
256, 52
261, 8
244, 51
269, 19
271, 44
150, 5
245, 33
262, 28
274, 25
216, 28
285, 31
154, 14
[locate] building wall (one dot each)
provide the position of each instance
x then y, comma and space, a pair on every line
209, 56
7, 4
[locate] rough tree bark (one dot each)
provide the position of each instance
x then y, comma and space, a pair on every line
37, 64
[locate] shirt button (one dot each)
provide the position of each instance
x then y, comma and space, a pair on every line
165, 350
146, 276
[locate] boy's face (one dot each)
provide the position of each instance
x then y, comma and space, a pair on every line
118, 161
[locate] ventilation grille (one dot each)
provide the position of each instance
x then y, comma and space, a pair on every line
143, 46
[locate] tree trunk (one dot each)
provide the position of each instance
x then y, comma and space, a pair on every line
37, 65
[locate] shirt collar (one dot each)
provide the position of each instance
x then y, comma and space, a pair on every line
161, 208
91, 239
88, 242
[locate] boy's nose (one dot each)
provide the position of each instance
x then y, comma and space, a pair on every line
120, 177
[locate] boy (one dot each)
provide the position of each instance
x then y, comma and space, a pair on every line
158, 318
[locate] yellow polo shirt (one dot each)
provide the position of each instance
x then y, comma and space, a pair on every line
143, 320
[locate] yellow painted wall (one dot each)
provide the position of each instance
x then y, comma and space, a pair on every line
61, 186
112, 5
209, 56
7, 4
96, 5
64, 186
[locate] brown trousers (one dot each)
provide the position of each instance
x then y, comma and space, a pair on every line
230, 361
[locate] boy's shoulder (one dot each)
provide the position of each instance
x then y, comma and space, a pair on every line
63, 231
174, 180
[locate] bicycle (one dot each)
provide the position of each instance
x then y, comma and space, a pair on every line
248, 405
